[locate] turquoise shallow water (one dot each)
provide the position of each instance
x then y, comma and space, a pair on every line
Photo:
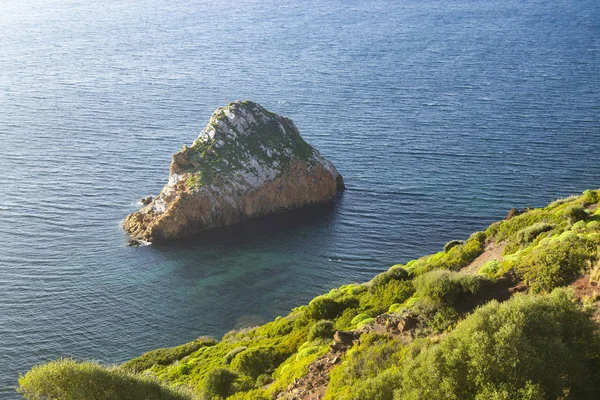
440, 115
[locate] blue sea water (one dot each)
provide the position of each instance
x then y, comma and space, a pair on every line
441, 115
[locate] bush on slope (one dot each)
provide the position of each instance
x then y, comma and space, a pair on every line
67, 379
530, 347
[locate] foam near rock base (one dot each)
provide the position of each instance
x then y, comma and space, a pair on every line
246, 163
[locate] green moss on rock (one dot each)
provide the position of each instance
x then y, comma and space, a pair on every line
228, 146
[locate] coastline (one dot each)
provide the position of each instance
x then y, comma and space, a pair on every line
430, 298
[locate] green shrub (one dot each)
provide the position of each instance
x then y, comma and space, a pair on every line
593, 226
385, 295
321, 330
556, 263
490, 269
452, 244
366, 321
323, 308
356, 289
255, 361
279, 327
590, 197
307, 352
579, 227
593, 236
566, 235
519, 349
507, 230
359, 318
528, 234
397, 273
263, 380
395, 308
559, 202
231, 355
411, 301
457, 256
67, 379
380, 387
443, 319
574, 213
344, 321
218, 383
166, 356
443, 287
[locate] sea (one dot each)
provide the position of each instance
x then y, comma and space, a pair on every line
440, 114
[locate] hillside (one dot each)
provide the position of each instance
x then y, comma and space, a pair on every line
509, 313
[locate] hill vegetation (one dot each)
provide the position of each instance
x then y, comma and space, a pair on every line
458, 324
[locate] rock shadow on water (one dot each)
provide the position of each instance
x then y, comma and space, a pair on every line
281, 226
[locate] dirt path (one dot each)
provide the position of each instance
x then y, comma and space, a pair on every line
313, 385
491, 251
589, 293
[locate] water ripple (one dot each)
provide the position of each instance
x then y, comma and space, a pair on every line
441, 117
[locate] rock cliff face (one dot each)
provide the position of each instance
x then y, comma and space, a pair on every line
246, 163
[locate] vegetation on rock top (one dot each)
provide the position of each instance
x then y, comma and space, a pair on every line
266, 139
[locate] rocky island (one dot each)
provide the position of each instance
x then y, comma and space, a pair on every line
247, 162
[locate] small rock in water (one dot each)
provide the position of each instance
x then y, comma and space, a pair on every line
133, 242
146, 200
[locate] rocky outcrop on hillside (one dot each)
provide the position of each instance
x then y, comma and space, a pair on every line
246, 163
